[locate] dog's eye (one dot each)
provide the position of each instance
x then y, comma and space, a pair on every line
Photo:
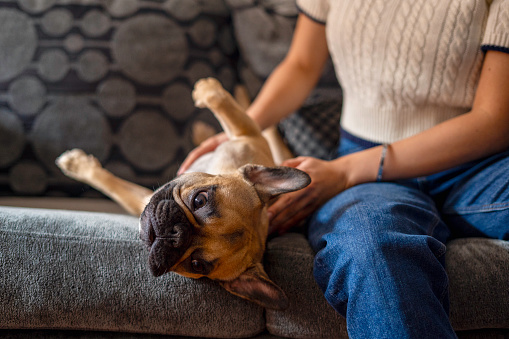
197, 266
200, 200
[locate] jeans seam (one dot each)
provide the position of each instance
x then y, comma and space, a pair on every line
379, 280
330, 296
445, 289
439, 254
431, 230
421, 182
478, 209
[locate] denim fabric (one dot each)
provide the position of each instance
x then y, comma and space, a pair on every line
380, 246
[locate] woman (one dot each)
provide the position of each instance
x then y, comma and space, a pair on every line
423, 153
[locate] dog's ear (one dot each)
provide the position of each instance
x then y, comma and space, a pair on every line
254, 285
272, 181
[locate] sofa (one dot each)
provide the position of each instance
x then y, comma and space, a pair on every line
114, 78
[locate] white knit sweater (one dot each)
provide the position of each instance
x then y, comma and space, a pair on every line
407, 65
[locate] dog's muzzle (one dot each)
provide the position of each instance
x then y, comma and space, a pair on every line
165, 230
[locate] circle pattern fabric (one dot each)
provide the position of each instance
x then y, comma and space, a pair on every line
111, 77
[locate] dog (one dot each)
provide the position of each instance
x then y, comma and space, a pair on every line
212, 220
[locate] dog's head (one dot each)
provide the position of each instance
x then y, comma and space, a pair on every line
215, 226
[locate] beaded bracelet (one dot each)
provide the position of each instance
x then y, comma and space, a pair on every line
382, 160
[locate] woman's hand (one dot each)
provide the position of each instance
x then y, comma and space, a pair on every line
292, 208
207, 146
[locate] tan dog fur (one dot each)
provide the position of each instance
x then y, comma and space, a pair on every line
229, 232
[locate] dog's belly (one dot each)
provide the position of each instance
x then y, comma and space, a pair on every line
229, 156
203, 163
213, 163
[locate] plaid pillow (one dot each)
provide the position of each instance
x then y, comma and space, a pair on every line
313, 130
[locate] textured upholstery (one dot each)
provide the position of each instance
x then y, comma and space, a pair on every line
88, 271
111, 77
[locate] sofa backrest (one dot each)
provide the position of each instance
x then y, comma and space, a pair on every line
111, 77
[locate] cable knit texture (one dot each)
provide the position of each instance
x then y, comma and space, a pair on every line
407, 65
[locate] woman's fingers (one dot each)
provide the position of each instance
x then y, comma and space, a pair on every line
289, 210
284, 222
294, 162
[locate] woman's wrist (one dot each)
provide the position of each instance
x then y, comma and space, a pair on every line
379, 175
361, 167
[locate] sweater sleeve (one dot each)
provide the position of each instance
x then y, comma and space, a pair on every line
316, 10
496, 36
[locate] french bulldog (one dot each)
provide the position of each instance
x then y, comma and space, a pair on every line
212, 220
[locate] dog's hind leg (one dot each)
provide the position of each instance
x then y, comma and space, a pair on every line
280, 152
230, 114
87, 169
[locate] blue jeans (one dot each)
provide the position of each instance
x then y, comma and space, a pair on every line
380, 246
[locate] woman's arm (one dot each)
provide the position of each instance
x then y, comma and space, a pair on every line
481, 132
288, 85
295, 77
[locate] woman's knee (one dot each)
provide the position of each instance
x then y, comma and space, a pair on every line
367, 231
363, 214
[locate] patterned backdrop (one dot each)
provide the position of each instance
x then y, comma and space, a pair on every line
113, 77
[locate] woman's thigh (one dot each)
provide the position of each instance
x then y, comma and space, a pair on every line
380, 257
377, 208
478, 203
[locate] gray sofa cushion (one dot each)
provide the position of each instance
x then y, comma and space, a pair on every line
289, 262
87, 271
479, 290
479, 283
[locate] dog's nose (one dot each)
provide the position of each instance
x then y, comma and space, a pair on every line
176, 235
171, 223
167, 232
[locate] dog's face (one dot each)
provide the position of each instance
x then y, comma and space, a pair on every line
215, 226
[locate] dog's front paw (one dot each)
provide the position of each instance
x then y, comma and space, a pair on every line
208, 93
78, 165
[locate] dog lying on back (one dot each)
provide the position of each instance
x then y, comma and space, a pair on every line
212, 220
